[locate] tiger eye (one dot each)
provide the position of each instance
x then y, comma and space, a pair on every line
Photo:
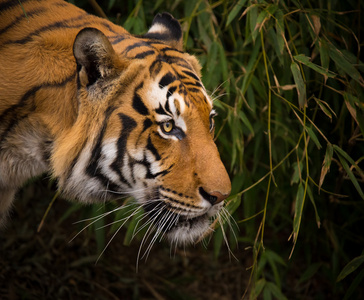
167, 126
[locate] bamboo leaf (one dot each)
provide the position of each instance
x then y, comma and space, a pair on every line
324, 56
340, 60
246, 121
276, 292
355, 108
262, 18
233, 13
232, 203
350, 173
353, 288
303, 59
325, 107
132, 227
298, 211
326, 163
350, 267
258, 287
310, 195
253, 16
313, 136
309, 273
297, 170
300, 85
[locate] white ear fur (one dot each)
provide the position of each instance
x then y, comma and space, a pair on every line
167, 29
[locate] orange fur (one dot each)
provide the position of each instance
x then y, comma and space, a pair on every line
86, 105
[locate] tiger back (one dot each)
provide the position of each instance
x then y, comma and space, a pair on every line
107, 114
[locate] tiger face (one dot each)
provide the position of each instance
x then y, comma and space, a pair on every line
115, 115
154, 138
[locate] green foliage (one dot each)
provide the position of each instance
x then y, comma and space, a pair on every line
286, 78
287, 81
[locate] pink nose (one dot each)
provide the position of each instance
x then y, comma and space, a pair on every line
219, 197
214, 197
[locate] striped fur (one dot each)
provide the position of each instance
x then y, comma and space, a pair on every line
107, 113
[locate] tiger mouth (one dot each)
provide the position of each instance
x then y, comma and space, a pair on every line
183, 228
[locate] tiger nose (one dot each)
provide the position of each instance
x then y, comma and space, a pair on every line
213, 197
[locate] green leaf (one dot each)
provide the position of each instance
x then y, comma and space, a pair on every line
132, 227
348, 170
350, 267
224, 68
303, 59
246, 121
218, 241
309, 273
300, 197
340, 60
325, 107
263, 15
211, 63
258, 287
233, 202
313, 136
300, 85
297, 170
310, 195
99, 228
324, 55
253, 16
353, 288
355, 107
276, 292
326, 163
280, 29
233, 13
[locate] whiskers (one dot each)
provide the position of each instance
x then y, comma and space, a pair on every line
224, 217
153, 220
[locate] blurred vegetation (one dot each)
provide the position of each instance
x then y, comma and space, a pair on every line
287, 81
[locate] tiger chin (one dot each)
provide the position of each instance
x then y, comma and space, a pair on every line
107, 114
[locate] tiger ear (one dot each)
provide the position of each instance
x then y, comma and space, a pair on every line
95, 57
167, 29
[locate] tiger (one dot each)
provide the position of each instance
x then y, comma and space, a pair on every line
106, 113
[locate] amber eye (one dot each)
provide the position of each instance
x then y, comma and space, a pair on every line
167, 126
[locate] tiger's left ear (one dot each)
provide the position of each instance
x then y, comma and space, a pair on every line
95, 57
167, 29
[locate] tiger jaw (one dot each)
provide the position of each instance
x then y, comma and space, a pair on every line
181, 223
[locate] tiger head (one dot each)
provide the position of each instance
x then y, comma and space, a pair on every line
144, 128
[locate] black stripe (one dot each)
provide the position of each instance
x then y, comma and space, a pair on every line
93, 169
21, 17
138, 103
146, 124
10, 115
167, 79
144, 54
167, 108
118, 39
11, 3
152, 149
58, 24
128, 124
155, 67
170, 91
135, 45
160, 110
188, 73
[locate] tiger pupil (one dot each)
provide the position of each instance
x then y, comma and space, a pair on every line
167, 126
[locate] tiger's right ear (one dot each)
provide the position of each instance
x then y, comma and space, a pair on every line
95, 57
